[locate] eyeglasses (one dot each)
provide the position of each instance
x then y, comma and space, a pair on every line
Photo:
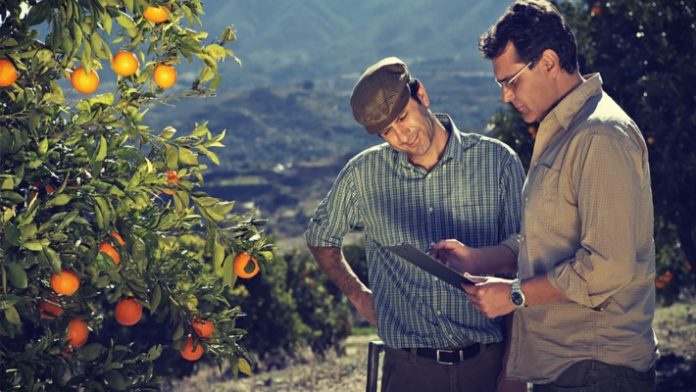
510, 82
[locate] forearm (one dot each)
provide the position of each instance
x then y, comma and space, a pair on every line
538, 291
335, 266
495, 259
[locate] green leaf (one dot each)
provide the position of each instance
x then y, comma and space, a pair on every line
8, 300
12, 196
12, 234
59, 200
12, 316
172, 157
168, 133
103, 148
179, 333
115, 380
154, 352
228, 275
36, 246
43, 147
156, 298
245, 367
187, 157
90, 352
17, 276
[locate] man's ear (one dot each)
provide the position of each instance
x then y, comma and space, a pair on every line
550, 62
423, 95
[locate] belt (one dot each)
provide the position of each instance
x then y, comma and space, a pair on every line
448, 357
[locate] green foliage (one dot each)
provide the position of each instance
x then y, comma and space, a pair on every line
646, 54
74, 172
291, 306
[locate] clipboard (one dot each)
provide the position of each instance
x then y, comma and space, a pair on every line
427, 263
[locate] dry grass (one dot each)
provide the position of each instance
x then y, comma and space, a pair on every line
674, 325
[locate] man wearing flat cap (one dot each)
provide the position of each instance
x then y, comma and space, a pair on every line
428, 182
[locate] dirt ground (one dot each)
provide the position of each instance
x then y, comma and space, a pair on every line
675, 327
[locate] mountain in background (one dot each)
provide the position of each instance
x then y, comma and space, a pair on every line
296, 40
289, 101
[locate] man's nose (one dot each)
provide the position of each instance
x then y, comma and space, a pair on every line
507, 94
403, 133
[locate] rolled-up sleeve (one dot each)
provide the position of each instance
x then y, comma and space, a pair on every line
606, 173
511, 180
337, 214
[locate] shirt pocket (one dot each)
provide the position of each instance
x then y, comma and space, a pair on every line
542, 197
476, 218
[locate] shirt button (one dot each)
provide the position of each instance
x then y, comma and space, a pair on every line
430, 209
526, 199
450, 336
439, 313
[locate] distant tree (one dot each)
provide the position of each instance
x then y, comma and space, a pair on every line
113, 264
646, 54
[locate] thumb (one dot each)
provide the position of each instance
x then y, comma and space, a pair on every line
475, 278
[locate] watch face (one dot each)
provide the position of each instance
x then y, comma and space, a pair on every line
516, 298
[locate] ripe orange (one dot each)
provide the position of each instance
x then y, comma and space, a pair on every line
84, 83
115, 235
110, 251
124, 63
49, 189
596, 10
155, 14
50, 309
128, 312
242, 264
164, 75
172, 177
204, 329
77, 333
8, 73
189, 353
65, 282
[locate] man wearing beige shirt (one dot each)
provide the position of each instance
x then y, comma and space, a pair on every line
584, 296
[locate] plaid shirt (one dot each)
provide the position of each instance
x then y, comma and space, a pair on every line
472, 194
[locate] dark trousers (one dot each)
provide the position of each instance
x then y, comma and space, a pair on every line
404, 371
596, 376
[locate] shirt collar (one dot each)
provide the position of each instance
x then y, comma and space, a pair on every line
568, 107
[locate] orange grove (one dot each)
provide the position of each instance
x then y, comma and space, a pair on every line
164, 75
77, 333
124, 63
65, 282
204, 329
241, 265
155, 14
189, 353
84, 83
128, 312
110, 251
8, 73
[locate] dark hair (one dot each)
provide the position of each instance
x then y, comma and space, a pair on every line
532, 26
413, 86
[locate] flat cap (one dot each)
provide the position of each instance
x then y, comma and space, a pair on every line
381, 94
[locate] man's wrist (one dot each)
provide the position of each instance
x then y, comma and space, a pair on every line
517, 297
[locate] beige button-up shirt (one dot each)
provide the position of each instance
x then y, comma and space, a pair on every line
587, 225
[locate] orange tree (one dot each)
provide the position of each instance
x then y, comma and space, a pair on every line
97, 208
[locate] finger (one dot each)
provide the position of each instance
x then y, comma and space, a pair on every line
475, 278
446, 245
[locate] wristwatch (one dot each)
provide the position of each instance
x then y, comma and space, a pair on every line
516, 294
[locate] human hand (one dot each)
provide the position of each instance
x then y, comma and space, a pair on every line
490, 295
362, 300
456, 255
